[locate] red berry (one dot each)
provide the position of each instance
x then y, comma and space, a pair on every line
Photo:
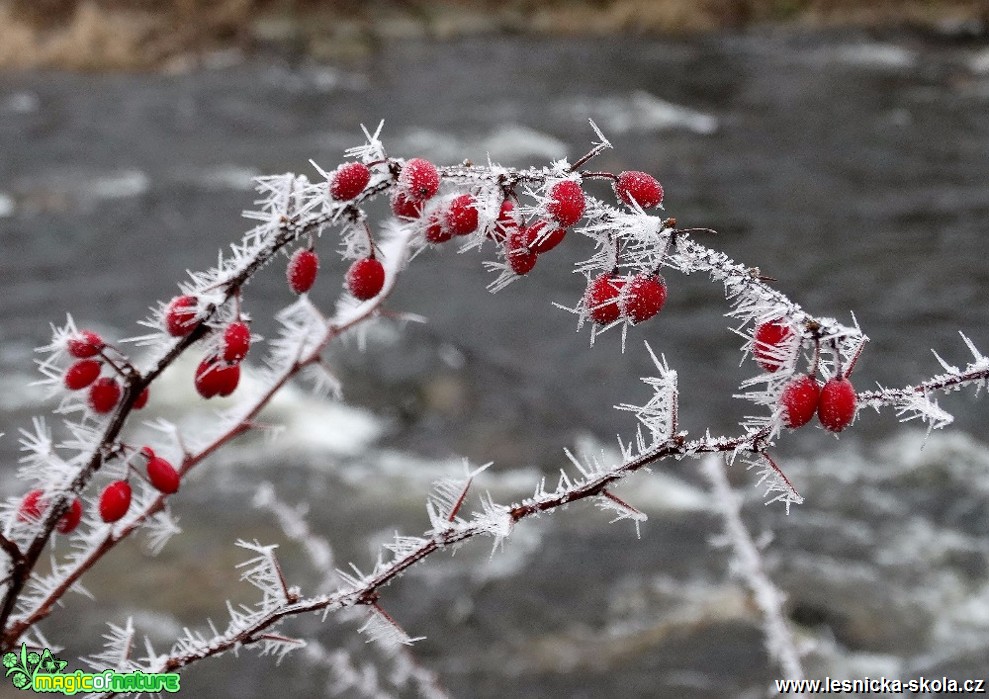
837, 405
419, 179
521, 258
104, 394
68, 522
461, 216
601, 298
768, 338
566, 202
643, 297
365, 278
404, 206
544, 238
506, 223
115, 501
799, 400
437, 231
349, 180
639, 188
162, 475
81, 374
302, 269
215, 378
522, 261
31, 506
86, 344
142, 399
180, 315
236, 341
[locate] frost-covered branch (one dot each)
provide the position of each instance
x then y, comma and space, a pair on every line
780, 642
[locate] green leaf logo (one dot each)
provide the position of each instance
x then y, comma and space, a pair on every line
21, 668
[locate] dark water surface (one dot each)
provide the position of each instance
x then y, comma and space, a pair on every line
855, 171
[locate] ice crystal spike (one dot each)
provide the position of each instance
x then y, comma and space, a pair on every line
264, 573
380, 628
659, 414
160, 528
448, 496
621, 509
119, 643
372, 149
776, 486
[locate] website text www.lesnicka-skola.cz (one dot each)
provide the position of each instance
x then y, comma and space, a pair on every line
882, 685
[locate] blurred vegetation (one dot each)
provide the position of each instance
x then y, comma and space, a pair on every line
145, 34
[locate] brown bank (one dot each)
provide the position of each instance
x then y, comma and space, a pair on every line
180, 34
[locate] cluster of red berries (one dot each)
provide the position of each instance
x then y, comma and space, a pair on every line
114, 500
803, 396
218, 374
33, 507
834, 403
87, 348
457, 218
609, 297
524, 243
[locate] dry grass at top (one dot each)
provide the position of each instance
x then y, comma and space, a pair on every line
148, 34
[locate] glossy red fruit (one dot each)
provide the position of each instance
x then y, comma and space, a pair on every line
639, 188
566, 203
142, 399
365, 278
115, 501
82, 373
162, 475
518, 253
236, 341
461, 215
836, 407
68, 522
601, 298
768, 339
799, 400
419, 179
31, 506
544, 237
85, 344
104, 395
644, 296
302, 269
349, 180
404, 206
522, 261
216, 378
180, 315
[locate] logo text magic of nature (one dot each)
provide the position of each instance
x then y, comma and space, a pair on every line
42, 672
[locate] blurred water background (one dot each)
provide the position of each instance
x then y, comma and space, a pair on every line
850, 168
